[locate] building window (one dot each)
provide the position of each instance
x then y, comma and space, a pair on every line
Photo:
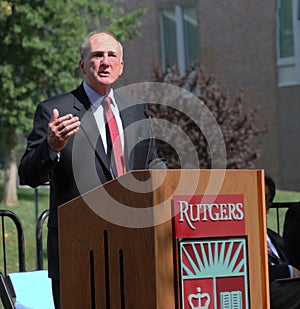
179, 37
288, 42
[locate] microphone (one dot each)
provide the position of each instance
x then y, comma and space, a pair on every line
158, 163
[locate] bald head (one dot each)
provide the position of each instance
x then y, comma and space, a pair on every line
85, 45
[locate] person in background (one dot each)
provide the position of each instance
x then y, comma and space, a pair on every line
284, 278
291, 233
84, 115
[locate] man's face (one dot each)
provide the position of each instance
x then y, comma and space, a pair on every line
102, 64
268, 201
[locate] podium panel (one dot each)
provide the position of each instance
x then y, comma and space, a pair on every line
166, 239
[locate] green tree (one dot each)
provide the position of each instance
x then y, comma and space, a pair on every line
39, 59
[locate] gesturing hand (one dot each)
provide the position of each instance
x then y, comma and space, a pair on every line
60, 129
296, 272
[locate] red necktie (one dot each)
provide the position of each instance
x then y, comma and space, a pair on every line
114, 133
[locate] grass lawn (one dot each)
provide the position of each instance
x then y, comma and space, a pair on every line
281, 196
27, 212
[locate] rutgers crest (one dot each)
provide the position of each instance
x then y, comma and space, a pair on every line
212, 270
213, 273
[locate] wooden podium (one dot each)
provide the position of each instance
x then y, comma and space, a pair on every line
121, 243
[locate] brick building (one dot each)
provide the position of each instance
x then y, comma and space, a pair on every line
253, 45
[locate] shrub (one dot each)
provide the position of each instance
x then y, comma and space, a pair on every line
241, 134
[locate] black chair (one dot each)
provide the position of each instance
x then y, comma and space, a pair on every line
7, 292
39, 239
6, 214
23, 288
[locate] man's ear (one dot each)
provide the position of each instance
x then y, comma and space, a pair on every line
121, 68
81, 66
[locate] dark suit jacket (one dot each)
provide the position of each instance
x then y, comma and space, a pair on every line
83, 164
291, 233
281, 270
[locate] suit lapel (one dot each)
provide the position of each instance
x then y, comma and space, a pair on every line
88, 125
128, 118
276, 241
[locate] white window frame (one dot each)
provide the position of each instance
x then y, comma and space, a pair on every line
179, 11
289, 68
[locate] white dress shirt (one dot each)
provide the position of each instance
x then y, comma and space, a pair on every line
98, 110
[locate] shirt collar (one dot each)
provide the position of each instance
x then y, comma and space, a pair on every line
95, 97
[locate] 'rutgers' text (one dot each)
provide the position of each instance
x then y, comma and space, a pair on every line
192, 213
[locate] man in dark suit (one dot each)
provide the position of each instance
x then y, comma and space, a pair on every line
284, 278
69, 146
291, 233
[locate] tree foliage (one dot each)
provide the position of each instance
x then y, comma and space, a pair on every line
39, 49
39, 52
241, 132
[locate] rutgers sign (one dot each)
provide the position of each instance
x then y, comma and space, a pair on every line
212, 251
